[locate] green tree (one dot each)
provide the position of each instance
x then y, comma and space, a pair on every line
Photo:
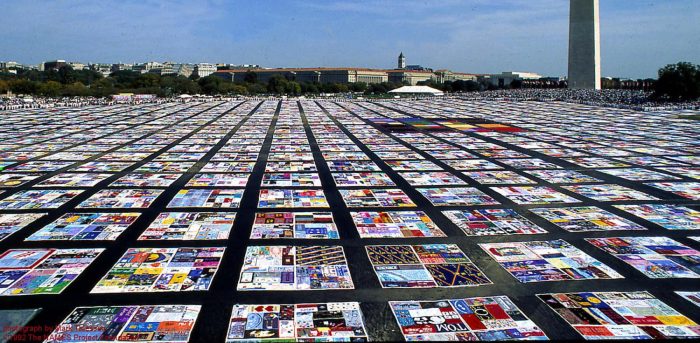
330, 88
226, 88
309, 87
450, 86
4, 86
87, 77
76, 89
210, 84
103, 87
50, 88
49, 75
431, 83
277, 84
256, 88
67, 75
239, 89
377, 88
250, 77
23, 87
174, 84
293, 87
125, 78
358, 86
184, 85
167, 83
343, 88
35, 75
147, 80
680, 81
471, 86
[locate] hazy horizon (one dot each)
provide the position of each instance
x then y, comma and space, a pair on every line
474, 36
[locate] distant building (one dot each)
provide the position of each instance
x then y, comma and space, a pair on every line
411, 77
102, 68
121, 67
505, 78
357, 75
171, 68
167, 68
228, 66
345, 75
318, 75
445, 75
204, 69
183, 69
11, 65
146, 67
8, 65
54, 65
417, 67
77, 65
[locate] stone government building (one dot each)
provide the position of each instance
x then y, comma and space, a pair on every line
402, 74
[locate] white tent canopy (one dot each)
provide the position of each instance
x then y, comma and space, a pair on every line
416, 90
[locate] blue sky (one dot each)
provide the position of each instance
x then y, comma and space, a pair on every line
479, 36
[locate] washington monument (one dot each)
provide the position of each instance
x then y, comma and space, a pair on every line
584, 44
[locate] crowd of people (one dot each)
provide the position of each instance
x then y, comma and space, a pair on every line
620, 98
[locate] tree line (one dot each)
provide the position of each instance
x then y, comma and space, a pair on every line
678, 82
68, 82
457, 86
